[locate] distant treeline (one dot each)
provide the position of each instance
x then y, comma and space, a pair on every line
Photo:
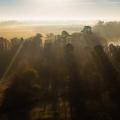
64, 77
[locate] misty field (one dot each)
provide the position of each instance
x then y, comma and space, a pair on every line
16, 29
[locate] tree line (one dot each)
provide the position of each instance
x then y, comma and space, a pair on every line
63, 77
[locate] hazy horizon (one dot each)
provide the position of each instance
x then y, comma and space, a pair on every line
53, 22
24, 18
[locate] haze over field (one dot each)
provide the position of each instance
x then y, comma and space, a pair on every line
46, 16
25, 29
10, 29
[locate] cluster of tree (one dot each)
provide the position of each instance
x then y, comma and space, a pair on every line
69, 77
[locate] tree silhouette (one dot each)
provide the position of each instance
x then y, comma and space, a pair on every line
76, 97
20, 96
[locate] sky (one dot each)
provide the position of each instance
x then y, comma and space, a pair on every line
53, 10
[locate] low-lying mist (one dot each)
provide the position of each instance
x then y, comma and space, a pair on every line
109, 30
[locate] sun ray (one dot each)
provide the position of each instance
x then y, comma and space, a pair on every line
12, 61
